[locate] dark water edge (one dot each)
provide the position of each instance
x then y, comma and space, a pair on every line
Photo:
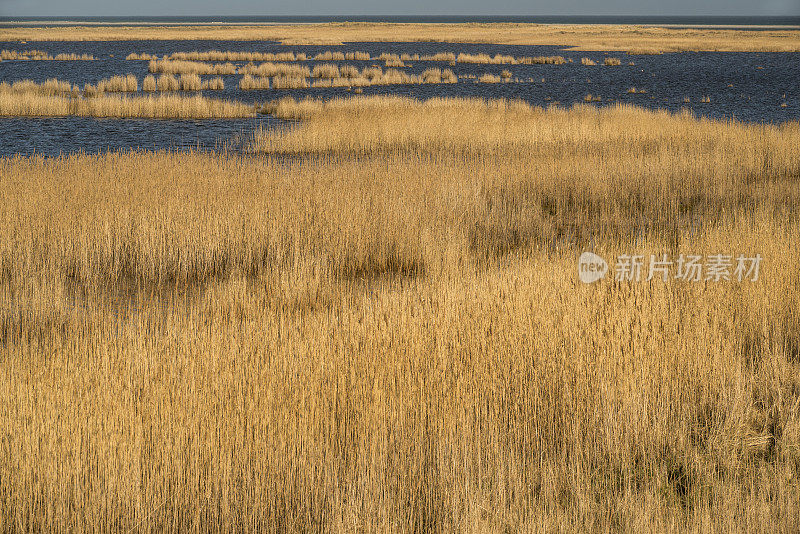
55, 136
679, 20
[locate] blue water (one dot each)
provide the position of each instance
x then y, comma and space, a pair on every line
751, 87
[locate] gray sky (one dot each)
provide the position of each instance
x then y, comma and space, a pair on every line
395, 7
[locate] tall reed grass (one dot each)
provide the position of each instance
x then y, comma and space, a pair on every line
385, 331
227, 56
32, 104
249, 83
589, 37
269, 69
42, 56
169, 66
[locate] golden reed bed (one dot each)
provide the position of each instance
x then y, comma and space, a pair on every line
60, 99
636, 39
373, 322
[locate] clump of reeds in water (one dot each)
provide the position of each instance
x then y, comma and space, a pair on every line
591, 98
186, 82
634, 90
43, 56
218, 55
34, 104
270, 68
168, 82
115, 84
357, 56
325, 70
542, 60
149, 84
489, 78
169, 66
587, 61
249, 82
611, 62
438, 76
394, 62
349, 71
49, 87
329, 56
214, 84
190, 82
140, 57
448, 57
290, 82
497, 59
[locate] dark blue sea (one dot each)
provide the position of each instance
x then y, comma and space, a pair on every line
750, 87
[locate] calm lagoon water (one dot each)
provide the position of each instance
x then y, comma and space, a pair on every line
751, 87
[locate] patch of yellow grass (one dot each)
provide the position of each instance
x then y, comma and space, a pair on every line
218, 55
149, 84
489, 78
190, 82
115, 84
104, 105
637, 39
497, 59
611, 61
276, 69
214, 84
325, 70
170, 66
248, 83
329, 55
289, 82
134, 56
168, 82
386, 332
42, 56
49, 87
587, 61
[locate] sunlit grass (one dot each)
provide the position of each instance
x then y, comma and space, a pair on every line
34, 104
385, 332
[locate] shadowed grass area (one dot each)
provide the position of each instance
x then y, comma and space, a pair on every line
385, 331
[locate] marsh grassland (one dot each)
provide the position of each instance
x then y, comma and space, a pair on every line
372, 322
635, 39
